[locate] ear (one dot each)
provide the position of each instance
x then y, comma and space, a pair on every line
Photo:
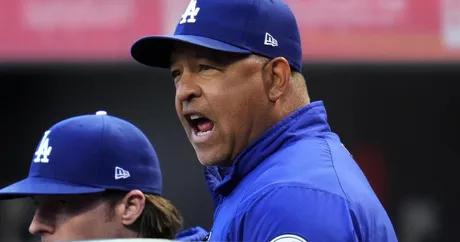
278, 75
132, 206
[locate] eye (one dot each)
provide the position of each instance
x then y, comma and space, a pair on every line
62, 202
206, 67
175, 73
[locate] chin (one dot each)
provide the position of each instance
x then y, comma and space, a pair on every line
208, 162
211, 159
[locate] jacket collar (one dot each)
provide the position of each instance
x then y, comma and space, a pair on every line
305, 121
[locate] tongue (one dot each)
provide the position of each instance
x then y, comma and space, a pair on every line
205, 125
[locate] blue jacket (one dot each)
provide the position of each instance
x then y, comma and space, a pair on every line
296, 182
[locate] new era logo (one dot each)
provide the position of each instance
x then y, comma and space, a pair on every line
269, 40
121, 173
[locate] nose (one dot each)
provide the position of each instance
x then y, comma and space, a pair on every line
187, 89
40, 225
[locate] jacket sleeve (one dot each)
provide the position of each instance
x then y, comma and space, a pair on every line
192, 234
294, 214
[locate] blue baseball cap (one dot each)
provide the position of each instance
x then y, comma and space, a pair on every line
262, 27
90, 154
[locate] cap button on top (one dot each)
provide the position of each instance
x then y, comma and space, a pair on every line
101, 113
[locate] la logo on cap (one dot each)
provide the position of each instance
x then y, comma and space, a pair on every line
43, 150
190, 13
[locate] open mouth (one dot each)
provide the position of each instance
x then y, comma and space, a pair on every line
200, 124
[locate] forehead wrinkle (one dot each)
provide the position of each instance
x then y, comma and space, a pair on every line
194, 53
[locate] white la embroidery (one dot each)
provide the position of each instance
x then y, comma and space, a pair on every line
288, 238
43, 150
190, 13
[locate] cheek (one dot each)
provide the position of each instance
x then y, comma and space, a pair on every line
177, 106
90, 224
236, 104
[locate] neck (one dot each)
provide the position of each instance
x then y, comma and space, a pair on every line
280, 110
290, 103
129, 233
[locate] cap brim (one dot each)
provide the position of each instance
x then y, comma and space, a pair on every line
33, 186
156, 50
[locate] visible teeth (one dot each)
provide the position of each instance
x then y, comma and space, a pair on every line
195, 116
201, 133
